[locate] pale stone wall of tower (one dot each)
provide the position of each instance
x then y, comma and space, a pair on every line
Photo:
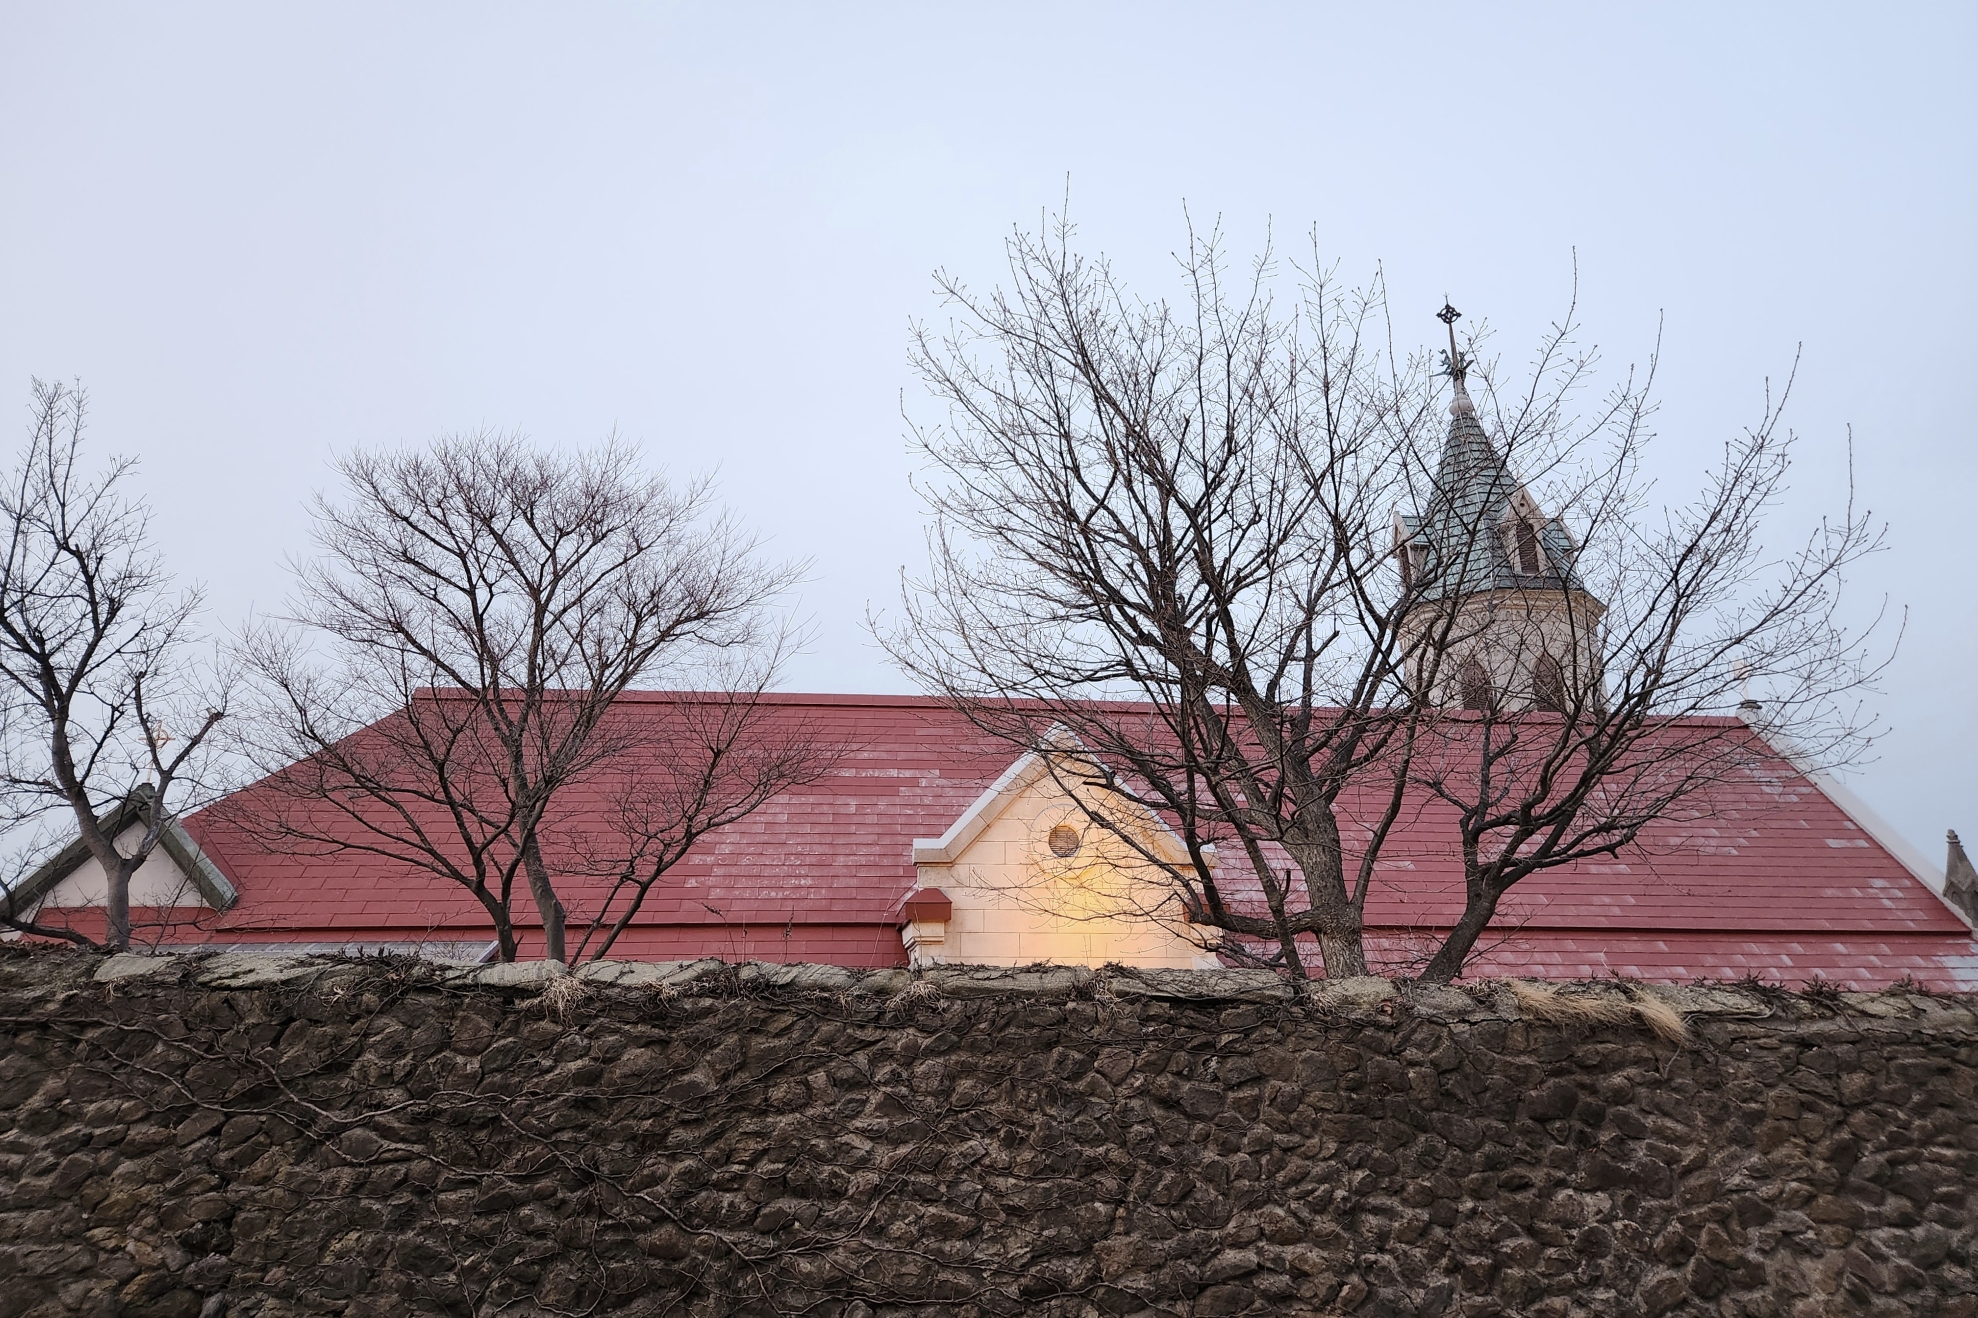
1507, 631
1016, 903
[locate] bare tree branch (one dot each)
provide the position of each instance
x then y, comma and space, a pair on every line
101, 698
1242, 556
459, 646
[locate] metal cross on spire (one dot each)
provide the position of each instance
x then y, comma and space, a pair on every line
1453, 360
1456, 366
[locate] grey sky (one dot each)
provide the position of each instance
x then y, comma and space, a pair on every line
263, 233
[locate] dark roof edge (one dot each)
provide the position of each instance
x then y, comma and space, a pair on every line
196, 865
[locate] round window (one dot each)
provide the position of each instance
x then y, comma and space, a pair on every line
1064, 841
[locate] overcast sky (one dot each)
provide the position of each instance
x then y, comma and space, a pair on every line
261, 234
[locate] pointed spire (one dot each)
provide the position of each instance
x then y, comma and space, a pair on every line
1473, 487
1463, 525
1457, 366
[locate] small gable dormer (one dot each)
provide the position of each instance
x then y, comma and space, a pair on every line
1028, 874
1524, 528
177, 882
1411, 551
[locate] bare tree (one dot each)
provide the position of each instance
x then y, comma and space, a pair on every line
1172, 532
460, 644
106, 716
1186, 510
1609, 670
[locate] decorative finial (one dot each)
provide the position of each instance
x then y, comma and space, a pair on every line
158, 737
1455, 365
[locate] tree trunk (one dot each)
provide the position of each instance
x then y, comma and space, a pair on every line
504, 926
546, 902
116, 908
1345, 952
1447, 963
1321, 859
1287, 941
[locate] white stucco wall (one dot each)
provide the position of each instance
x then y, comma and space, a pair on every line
158, 882
1016, 903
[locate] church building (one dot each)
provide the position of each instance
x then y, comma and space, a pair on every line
931, 843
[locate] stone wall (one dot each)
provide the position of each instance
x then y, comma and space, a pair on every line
269, 1137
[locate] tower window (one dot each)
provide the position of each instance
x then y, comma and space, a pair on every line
1530, 562
1548, 685
1412, 558
1476, 686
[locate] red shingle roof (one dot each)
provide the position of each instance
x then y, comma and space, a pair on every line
1781, 882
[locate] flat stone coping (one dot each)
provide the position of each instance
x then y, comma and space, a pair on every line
1557, 1001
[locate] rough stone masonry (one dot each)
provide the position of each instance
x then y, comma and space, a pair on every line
273, 1137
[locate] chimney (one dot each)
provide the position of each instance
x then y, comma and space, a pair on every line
1960, 880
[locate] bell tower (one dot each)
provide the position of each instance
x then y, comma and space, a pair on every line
1495, 615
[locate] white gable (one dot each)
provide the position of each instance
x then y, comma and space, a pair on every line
158, 882
176, 876
1018, 901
